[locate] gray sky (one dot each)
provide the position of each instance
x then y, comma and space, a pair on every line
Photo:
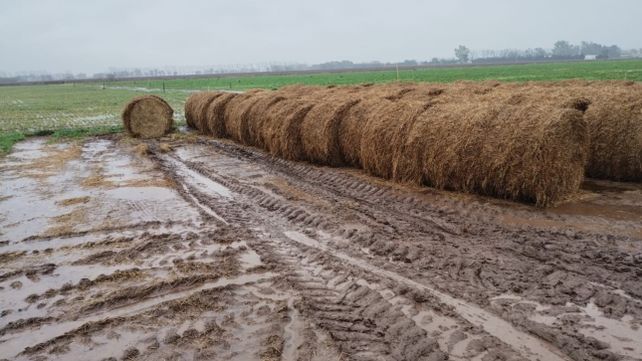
91, 36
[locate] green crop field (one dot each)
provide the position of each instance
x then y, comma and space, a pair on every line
593, 70
95, 107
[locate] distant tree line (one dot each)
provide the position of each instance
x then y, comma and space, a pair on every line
562, 50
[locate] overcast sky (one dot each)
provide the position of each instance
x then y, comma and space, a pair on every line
93, 35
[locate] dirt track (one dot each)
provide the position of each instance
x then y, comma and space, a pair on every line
215, 251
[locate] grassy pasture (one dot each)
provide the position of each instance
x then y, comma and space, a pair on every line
90, 108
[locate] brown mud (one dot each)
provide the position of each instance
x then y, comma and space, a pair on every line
207, 250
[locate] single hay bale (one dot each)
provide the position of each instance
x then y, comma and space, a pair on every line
201, 111
148, 116
320, 129
215, 115
236, 114
385, 131
195, 105
258, 116
189, 109
614, 118
281, 132
350, 130
613, 113
533, 152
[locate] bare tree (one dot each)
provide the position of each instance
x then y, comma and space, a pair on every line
462, 53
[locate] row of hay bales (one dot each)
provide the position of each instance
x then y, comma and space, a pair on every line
529, 142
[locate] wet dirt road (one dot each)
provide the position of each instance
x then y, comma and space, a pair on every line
215, 251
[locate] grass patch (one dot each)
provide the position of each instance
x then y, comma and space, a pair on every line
7, 140
86, 132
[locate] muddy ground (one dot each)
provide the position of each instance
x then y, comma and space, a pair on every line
205, 250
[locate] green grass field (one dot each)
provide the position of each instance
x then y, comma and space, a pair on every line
88, 108
595, 70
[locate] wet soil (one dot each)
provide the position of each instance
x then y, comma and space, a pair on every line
199, 249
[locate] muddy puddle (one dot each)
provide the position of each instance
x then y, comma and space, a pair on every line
214, 251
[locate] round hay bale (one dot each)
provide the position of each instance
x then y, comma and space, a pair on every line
320, 129
257, 117
351, 128
189, 109
215, 115
196, 109
385, 132
236, 115
281, 131
148, 116
533, 152
613, 113
614, 119
201, 110
301, 91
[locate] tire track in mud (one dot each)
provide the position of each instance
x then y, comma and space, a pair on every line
369, 320
529, 346
457, 221
50, 333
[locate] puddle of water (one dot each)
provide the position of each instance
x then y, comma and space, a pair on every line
622, 338
198, 181
203, 207
119, 169
292, 333
249, 259
29, 149
618, 212
527, 345
13, 344
91, 150
603, 186
159, 194
27, 211
190, 153
619, 334
15, 300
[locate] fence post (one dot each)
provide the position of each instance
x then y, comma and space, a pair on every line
163, 86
